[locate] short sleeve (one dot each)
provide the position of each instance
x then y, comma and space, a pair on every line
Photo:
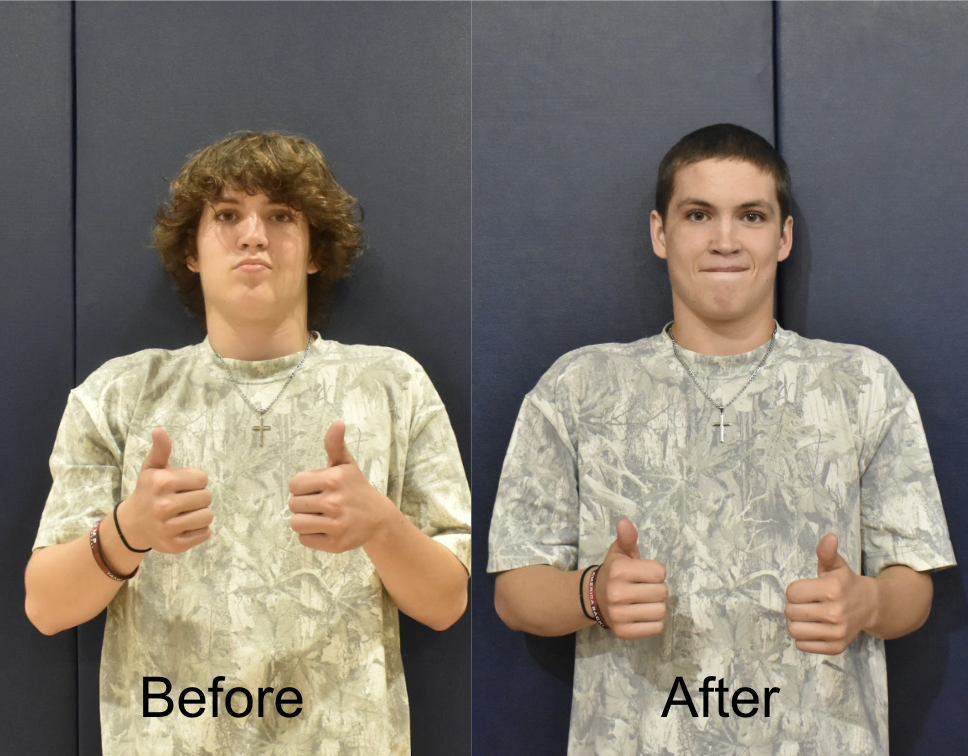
536, 515
902, 517
435, 494
86, 469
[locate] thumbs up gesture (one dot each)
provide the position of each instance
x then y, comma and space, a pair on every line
336, 509
631, 591
827, 612
169, 509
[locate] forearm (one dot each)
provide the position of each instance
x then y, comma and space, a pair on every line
540, 599
64, 585
424, 578
903, 602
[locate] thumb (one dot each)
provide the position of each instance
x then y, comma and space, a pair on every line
335, 443
827, 557
626, 540
160, 451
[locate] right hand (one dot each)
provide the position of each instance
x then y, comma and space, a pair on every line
631, 591
169, 509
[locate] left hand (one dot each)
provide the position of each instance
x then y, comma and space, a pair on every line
826, 613
336, 509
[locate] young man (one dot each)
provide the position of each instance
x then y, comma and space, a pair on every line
253, 509
725, 505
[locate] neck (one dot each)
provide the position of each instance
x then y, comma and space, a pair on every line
721, 339
256, 341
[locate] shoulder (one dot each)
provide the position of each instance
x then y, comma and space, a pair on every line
599, 359
136, 369
845, 357
368, 357
378, 368
602, 368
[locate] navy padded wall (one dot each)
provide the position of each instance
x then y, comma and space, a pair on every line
574, 105
872, 114
36, 339
384, 90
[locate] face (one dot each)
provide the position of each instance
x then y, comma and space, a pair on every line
722, 237
253, 258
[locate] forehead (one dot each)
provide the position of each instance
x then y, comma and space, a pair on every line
232, 194
725, 183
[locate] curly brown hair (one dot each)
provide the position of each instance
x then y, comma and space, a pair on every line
289, 170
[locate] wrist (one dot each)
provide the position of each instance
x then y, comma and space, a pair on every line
386, 526
134, 542
115, 555
593, 598
874, 597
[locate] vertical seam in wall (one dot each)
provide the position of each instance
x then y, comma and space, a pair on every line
73, 46
74, 189
774, 8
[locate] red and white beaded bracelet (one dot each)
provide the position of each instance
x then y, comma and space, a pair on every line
592, 600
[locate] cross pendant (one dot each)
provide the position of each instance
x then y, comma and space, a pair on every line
722, 424
261, 428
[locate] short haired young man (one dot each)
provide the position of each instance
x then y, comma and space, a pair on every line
262, 502
690, 501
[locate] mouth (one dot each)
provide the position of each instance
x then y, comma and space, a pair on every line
253, 264
725, 269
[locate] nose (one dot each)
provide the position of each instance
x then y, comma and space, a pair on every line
252, 232
725, 240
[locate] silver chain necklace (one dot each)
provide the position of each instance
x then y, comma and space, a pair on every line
261, 428
722, 424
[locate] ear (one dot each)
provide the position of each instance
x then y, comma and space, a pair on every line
658, 234
786, 239
313, 267
192, 264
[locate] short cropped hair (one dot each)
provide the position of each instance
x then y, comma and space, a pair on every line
289, 170
723, 141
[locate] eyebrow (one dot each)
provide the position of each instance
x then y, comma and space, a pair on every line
233, 201
697, 202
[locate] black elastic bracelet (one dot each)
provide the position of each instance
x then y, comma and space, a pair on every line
581, 592
117, 526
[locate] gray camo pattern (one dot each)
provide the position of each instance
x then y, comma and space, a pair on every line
826, 439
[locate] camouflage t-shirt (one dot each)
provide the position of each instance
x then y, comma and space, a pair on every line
827, 438
252, 604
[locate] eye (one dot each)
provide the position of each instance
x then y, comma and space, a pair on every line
225, 215
754, 218
282, 216
697, 215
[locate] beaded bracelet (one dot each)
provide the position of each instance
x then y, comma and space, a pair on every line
581, 590
99, 558
592, 601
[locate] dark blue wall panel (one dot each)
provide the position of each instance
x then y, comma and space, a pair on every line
872, 113
574, 105
36, 339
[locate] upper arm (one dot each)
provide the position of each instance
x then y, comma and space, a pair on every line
536, 513
435, 493
902, 518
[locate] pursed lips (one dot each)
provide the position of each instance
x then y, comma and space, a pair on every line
252, 264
